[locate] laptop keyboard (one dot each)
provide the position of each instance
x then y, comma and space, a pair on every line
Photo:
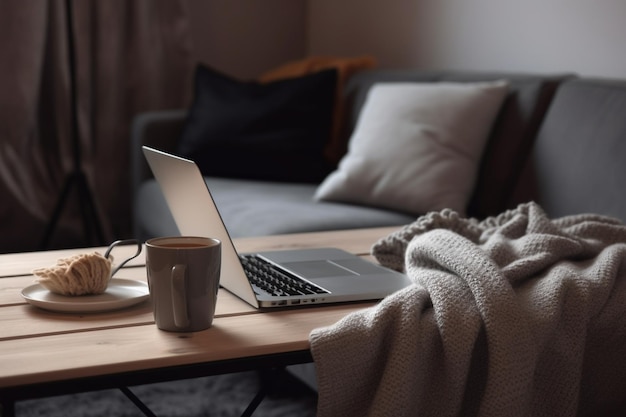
267, 279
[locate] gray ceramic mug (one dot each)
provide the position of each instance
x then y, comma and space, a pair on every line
183, 277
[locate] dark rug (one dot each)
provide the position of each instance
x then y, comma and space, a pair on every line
219, 396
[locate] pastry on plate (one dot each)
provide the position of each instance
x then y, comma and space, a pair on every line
82, 274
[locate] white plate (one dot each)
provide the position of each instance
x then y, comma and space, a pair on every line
119, 294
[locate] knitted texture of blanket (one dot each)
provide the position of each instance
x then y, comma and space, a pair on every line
517, 315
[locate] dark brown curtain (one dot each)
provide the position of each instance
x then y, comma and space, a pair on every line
130, 56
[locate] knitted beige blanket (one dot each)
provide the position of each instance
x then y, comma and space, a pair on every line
517, 315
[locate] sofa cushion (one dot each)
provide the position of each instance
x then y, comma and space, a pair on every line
512, 135
260, 208
577, 164
417, 146
511, 138
265, 131
346, 67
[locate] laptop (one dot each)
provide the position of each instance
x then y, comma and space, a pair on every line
314, 276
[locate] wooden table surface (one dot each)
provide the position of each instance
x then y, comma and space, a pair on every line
43, 347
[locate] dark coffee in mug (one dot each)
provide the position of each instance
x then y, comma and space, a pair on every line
182, 245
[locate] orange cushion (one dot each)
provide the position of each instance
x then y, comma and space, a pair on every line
346, 67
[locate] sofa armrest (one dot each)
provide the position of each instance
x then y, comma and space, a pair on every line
157, 129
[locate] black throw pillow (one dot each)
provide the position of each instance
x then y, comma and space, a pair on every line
274, 131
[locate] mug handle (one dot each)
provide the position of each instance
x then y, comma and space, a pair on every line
122, 242
179, 296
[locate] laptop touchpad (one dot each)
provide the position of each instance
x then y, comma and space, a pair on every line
317, 269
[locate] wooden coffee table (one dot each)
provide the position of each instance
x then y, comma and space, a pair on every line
44, 353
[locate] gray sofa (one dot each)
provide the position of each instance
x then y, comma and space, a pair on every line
555, 140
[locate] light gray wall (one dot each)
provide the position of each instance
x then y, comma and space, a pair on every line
247, 37
583, 36
243, 38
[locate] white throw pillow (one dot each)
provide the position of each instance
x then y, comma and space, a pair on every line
416, 146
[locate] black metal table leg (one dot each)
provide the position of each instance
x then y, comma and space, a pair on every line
131, 396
